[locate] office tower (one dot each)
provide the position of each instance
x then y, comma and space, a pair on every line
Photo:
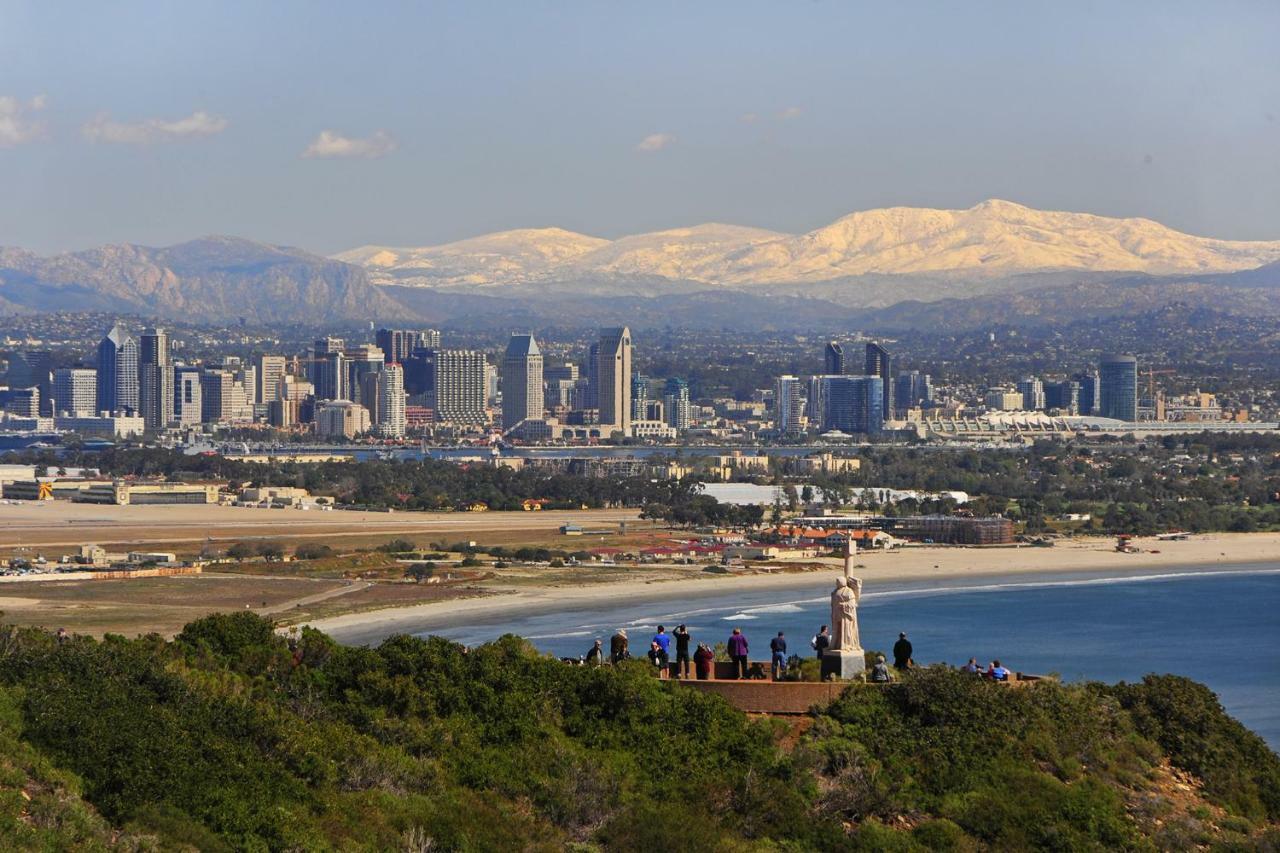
75, 391
155, 377
359, 361
1032, 391
1118, 387
34, 369
853, 404
676, 397
458, 396
613, 379
912, 388
216, 397
118, 372
419, 372
22, 402
188, 402
327, 370
386, 396
567, 372
341, 419
833, 359
880, 363
521, 382
396, 344
268, 369
591, 398
1090, 399
788, 405
1063, 397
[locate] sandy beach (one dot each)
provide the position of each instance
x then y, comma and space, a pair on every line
946, 565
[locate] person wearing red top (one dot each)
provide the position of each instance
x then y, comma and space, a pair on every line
703, 661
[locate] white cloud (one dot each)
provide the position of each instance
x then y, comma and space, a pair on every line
790, 112
655, 142
17, 124
750, 117
333, 144
195, 126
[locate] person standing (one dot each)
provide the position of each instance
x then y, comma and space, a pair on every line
821, 641
662, 638
738, 653
618, 646
902, 652
880, 672
682, 651
778, 656
595, 655
704, 661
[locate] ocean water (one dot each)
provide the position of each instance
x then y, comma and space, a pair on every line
1218, 627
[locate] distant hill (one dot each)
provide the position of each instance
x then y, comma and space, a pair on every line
993, 239
211, 279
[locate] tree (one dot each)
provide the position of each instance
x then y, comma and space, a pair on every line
312, 551
240, 551
420, 571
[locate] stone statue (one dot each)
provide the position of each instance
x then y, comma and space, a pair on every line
844, 615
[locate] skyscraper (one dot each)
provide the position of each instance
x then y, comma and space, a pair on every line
390, 417
591, 399
360, 361
1032, 390
267, 372
676, 398
853, 404
1118, 387
788, 405
613, 375
912, 388
521, 381
1090, 401
188, 405
1063, 397
880, 363
155, 378
75, 391
34, 369
118, 372
216, 398
833, 359
328, 370
458, 395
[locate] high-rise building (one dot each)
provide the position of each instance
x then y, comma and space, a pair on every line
21, 402
268, 369
341, 419
1118, 387
217, 402
879, 362
853, 404
327, 371
833, 359
639, 394
118, 372
360, 361
1090, 392
676, 399
521, 382
427, 339
613, 379
75, 391
1062, 397
388, 412
912, 388
1032, 391
188, 401
34, 369
788, 405
155, 378
458, 395
567, 372
591, 395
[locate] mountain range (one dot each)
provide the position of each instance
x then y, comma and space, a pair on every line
895, 266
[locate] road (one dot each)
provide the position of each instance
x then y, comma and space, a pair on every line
66, 524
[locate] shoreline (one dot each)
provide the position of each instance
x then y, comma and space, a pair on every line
950, 567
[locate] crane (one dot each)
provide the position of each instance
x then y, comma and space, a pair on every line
1151, 380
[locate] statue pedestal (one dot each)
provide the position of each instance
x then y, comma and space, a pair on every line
846, 664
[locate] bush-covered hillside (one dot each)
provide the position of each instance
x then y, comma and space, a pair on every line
232, 738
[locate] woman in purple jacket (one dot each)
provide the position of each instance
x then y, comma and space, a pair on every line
738, 653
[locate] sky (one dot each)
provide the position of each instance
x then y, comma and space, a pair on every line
329, 125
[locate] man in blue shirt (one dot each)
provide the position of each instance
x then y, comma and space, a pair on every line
663, 639
997, 672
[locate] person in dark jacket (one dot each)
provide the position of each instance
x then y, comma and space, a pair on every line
704, 661
595, 655
738, 653
778, 656
682, 650
902, 652
821, 641
657, 656
618, 646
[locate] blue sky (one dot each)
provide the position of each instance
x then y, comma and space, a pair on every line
158, 122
